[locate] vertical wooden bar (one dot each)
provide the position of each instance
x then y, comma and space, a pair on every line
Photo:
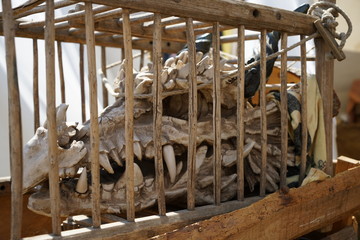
129, 116
284, 111
192, 114
325, 79
36, 84
103, 68
61, 72
217, 113
51, 117
240, 112
304, 135
142, 57
158, 110
94, 126
15, 129
82, 82
263, 113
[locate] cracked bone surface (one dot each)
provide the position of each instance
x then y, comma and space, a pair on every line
74, 145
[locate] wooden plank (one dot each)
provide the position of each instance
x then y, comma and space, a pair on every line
240, 112
105, 95
82, 82
61, 73
284, 111
146, 227
304, 133
325, 79
345, 163
217, 113
15, 129
94, 126
129, 118
283, 216
193, 101
51, 117
263, 120
158, 112
36, 85
253, 16
41, 8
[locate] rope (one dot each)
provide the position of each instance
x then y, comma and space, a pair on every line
327, 12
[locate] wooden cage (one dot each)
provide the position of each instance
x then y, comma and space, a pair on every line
173, 23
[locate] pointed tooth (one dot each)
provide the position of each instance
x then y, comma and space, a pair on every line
105, 163
137, 150
169, 157
248, 147
114, 155
82, 184
179, 167
139, 178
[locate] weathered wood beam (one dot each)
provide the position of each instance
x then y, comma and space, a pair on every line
283, 215
231, 12
146, 227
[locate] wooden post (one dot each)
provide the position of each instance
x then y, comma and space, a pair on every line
51, 117
217, 113
103, 69
94, 126
82, 82
15, 129
304, 134
192, 114
284, 111
36, 85
61, 72
263, 121
240, 112
129, 117
325, 78
158, 110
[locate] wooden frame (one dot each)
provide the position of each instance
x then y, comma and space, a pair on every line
116, 24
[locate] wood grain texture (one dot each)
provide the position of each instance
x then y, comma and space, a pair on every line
283, 216
61, 73
15, 129
36, 85
146, 227
284, 111
94, 126
82, 82
105, 95
51, 117
263, 119
240, 112
304, 120
129, 118
193, 101
158, 112
217, 113
254, 16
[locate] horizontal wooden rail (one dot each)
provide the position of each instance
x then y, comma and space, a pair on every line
253, 16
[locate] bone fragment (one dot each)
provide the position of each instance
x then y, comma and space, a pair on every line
170, 61
108, 187
200, 156
182, 83
169, 157
60, 115
199, 56
82, 184
70, 172
105, 163
169, 85
164, 77
184, 71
